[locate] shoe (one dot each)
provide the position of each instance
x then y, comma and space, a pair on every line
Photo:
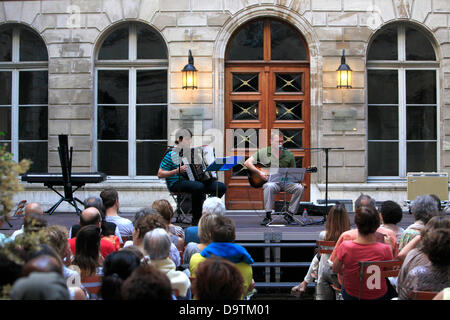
266, 220
290, 221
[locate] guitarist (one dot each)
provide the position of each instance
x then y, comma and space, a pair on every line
276, 156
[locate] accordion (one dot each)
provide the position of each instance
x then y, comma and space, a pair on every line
196, 163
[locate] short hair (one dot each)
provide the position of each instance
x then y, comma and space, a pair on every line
94, 220
147, 283
148, 223
109, 197
57, 238
213, 205
438, 201
218, 279
367, 219
96, 202
391, 212
364, 198
205, 227
142, 213
33, 207
157, 244
436, 245
117, 267
424, 208
276, 132
223, 230
164, 208
181, 133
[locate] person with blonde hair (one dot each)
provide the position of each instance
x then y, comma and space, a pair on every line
204, 231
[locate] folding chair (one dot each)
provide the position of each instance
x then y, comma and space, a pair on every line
326, 247
389, 268
422, 295
92, 284
183, 210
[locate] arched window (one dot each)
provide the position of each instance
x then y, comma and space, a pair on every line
131, 101
24, 95
402, 82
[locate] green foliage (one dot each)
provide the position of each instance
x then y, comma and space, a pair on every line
9, 182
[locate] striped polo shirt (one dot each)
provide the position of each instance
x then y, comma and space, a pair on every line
170, 162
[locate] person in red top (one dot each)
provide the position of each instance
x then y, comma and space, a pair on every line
91, 216
364, 248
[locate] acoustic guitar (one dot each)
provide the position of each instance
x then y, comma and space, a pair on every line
255, 179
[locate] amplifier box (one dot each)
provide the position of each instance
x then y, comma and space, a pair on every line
421, 183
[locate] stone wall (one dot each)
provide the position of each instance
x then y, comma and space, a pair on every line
72, 30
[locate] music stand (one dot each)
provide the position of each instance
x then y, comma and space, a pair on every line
324, 217
285, 176
223, 164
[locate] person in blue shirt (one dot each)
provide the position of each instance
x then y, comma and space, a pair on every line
175, 174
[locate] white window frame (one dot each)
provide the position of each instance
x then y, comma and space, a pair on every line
15, 67
402, 65
132, 65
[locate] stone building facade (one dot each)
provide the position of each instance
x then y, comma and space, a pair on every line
74, 31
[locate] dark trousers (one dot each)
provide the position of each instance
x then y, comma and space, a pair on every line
198, 191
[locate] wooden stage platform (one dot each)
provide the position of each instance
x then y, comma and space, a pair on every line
248, 226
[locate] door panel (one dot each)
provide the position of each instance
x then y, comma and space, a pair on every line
257, 100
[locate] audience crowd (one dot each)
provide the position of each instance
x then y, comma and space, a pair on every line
106, 256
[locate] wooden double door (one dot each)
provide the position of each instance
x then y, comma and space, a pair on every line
260, 97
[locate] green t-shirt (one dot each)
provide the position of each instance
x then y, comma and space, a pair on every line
265, 157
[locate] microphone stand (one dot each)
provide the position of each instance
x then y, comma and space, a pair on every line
324, 217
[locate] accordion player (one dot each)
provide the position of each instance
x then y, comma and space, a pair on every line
196, 163
183, 169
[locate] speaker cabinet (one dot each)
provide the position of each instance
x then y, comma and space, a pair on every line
421, 183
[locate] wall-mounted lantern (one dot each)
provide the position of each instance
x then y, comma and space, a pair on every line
344, 74
189, 74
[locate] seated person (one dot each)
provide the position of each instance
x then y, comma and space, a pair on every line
172, 170
97, 202
423, 208
383, 234
204, 232
433, 277
364, 248
211, 205
110, 198
218, 279
413, 255
223, 234
157, 246
147, 223
391, 215
276, 156
147, 283
91, 216
164, 208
